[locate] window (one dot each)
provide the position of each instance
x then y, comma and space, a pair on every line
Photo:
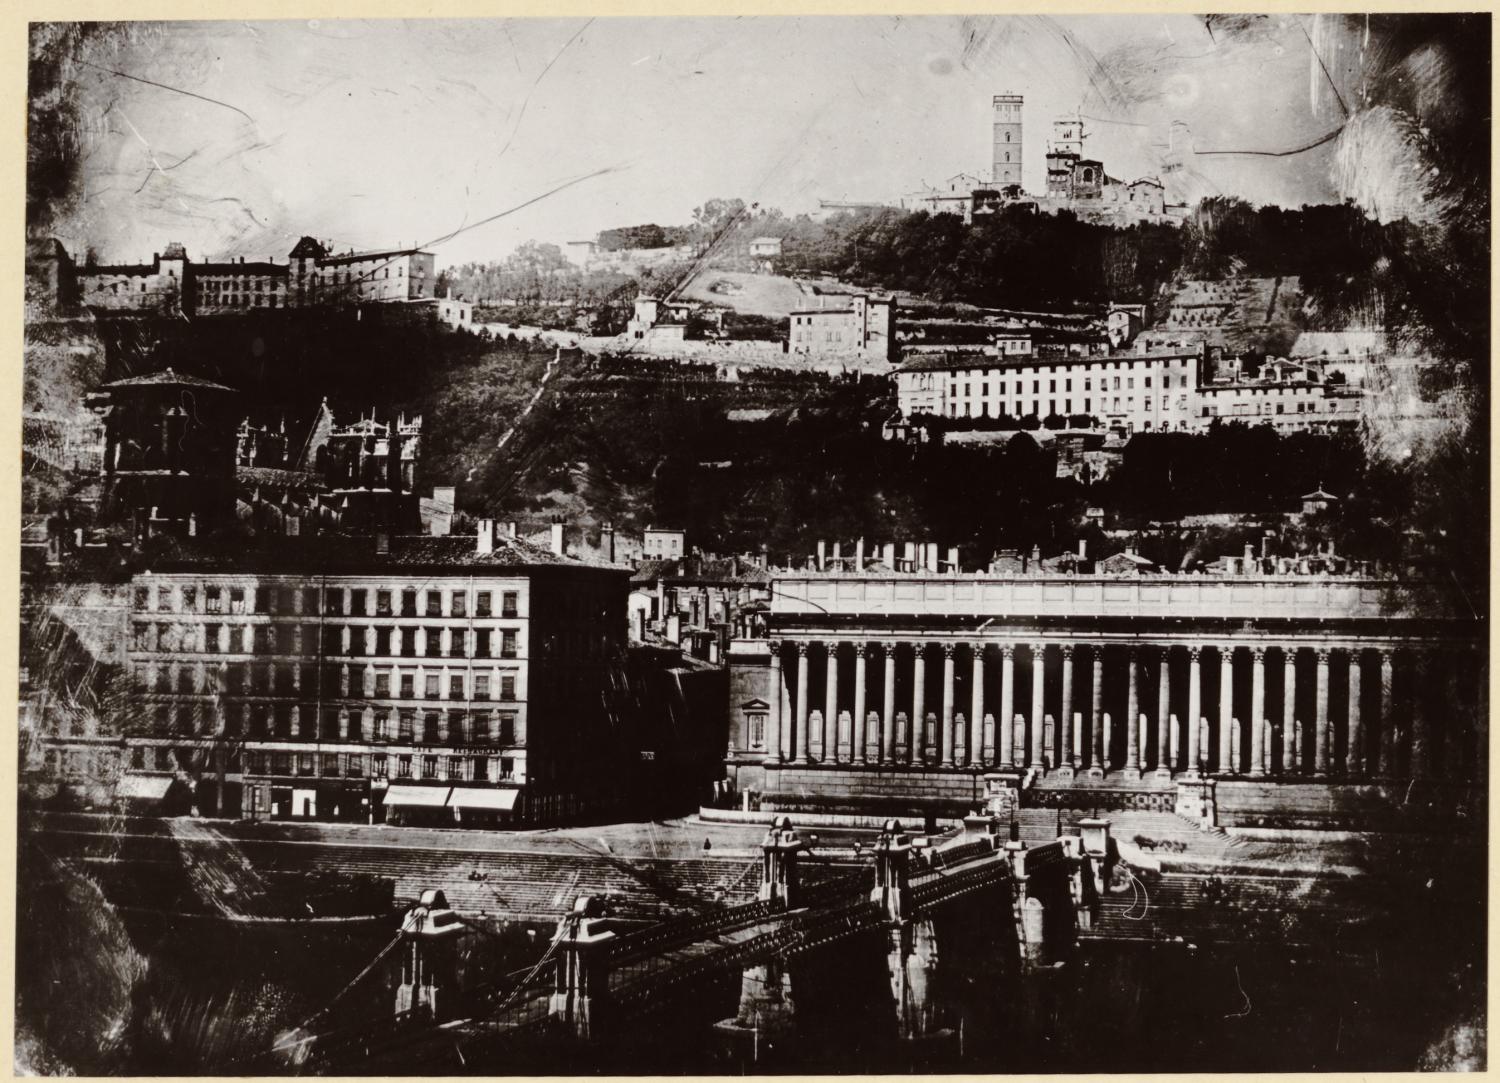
330, 764
507, 728
138, 758
383, 642
309, 599
456, 686
281, 763
455, 769
406, 723
403, 767
508, 604
382, 683
434, 642
507, 767
383, 603
408, 643
304, 763
508, 686
457, 604
430, 690
429, 767
236, 600
357, 681
408, 603
756, 727
211, 638
213, 600
354, 765
482, 604
481, 686
378, 767
382, 725
434, 603
357, 603
507, 643
333, 601
408, 686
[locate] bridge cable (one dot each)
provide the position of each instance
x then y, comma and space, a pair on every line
354, 981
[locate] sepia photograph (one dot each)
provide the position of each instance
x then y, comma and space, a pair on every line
754, 544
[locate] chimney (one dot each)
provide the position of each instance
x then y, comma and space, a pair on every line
889, 555
932, 556
953, 559
859, 555
1265, 546
908, 557
836, 557
485, 539
607, 542
558, 537
820, 557
1083, 549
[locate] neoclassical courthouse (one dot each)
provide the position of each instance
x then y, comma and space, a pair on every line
1249, 697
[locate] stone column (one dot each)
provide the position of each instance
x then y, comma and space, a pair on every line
1065, 757
1132, 718
831, 703
773, 722
1385, 718
1354, 754
1003, 736
1226, 708
1038, 671
861, 737
918, 701
1195, 707
945, 731
1322, 738
1164, 712
1421, 748
800, 738
1257, 711
1096, 715
976, 708
888, 704
1290, 753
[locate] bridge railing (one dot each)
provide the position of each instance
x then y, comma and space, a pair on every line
686, 929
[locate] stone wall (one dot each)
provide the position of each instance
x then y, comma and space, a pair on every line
874, 790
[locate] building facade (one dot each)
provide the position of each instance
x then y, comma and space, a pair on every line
861, 327
413, 679
1138, 392
875, 687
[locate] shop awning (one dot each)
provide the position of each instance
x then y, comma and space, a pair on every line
484, 798
417, 796
144, 787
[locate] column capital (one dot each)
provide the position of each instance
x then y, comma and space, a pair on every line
1007, 651
1038, 650
862, 648
1067, 651
978, 648
949, 649
1289, 655
832, 645
1258, 654
1195, 651
1322, 654
802, 646
775, 645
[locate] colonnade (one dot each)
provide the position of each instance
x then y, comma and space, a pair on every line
1127, 709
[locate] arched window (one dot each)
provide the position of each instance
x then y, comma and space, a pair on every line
1007, 156
1088, 176
1007, 137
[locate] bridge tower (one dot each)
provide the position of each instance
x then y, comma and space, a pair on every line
581, 994
778, 870
429, 963
912, 950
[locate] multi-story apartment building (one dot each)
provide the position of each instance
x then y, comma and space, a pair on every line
858, 326
437, 679
1139, 392
173, 284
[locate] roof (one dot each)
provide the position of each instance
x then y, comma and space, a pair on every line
238, 268
359, 257
308, 247
697, 570
166, 378
334, 553
1318, 494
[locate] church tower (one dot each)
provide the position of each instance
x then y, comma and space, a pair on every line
1006, 168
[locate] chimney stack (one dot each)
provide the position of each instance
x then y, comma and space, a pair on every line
932, 557
558, 537
859, 555
484, 540
820, 555
1082, 549
890, 555
607, 542
836, 557
908, 557
953, 558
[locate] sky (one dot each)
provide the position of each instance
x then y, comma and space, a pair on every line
236, 138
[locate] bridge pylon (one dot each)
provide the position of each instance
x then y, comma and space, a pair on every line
779, 882
892, 863
580, 997
429, 963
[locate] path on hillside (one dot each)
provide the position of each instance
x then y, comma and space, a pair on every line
541, 389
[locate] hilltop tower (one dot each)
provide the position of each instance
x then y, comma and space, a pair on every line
1006, 168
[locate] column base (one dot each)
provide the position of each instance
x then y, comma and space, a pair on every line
1065, 771
1163, 773
1130, 774
1189, 774
1095, 772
